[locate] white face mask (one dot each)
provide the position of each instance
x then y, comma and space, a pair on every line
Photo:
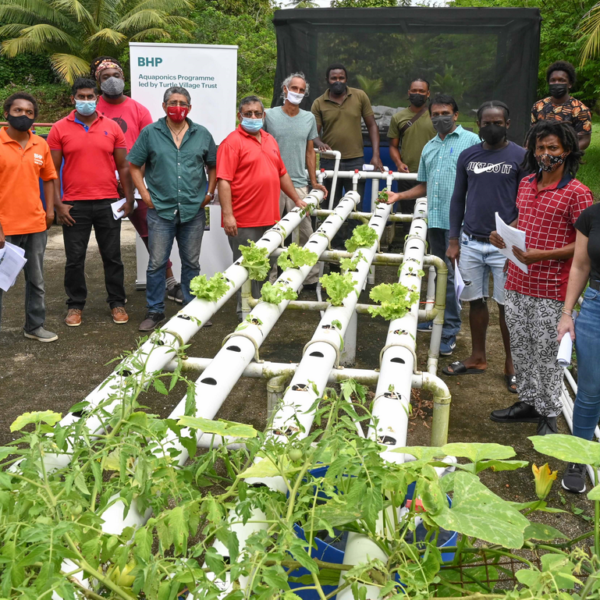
294, 98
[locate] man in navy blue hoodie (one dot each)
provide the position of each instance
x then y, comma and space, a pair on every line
489, 173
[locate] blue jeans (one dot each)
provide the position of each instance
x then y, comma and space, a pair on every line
587, 345
438, 244
477, 261
161, 233
34, 245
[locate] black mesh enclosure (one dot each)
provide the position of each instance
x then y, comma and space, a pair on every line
474, 54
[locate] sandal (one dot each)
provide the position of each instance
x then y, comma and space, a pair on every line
511, 383
458, 368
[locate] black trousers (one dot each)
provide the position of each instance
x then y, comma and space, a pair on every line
96, 214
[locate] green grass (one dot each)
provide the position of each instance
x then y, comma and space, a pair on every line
589, 173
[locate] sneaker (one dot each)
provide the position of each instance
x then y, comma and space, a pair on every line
519, 412
175, 293
150, 323
574, 479
447, 347
41, 335
73, 318
426, 327
119, 315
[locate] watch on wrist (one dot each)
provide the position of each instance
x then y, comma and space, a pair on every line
211, 196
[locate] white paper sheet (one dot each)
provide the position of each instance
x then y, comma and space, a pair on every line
512, 237
12, 261
116, 208
565, 350
459, 284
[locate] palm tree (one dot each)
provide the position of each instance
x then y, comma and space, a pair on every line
590, 27
72, 32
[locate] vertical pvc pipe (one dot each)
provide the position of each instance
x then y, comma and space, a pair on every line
348, 358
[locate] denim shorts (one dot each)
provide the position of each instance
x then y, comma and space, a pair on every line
477, 261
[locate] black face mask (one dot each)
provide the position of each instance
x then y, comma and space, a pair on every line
558, 90
337, 88
21, 123
492, 134
417, 99
443, 124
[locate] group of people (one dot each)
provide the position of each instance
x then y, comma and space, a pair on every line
108, 148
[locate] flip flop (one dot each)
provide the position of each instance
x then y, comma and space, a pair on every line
458, 368
510, 381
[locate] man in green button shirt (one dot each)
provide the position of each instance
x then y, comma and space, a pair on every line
175, 152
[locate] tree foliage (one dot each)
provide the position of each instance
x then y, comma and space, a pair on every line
72, 32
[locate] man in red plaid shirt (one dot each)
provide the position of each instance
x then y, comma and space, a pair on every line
549, 204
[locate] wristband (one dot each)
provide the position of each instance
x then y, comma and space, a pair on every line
567, 312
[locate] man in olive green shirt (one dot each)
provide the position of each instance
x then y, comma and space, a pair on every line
175, 152
338, 113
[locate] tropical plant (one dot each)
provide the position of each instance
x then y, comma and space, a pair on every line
72, 32
371, 87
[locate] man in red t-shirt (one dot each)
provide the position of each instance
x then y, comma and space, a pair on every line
251, 175
24, 160
91, 146
549, 204
132, 117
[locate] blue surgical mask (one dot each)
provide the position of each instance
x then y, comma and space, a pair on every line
85, 107
252, 125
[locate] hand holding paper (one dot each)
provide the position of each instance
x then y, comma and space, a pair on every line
118, 205
512, 237
12, 261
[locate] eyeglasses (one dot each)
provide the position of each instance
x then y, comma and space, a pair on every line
253, 113
174, 103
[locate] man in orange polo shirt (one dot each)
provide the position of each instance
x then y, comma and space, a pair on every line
251, 175
24, 159
91, 145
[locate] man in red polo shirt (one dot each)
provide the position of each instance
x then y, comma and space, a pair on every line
91, 145
24, 160
549, 204
251, 175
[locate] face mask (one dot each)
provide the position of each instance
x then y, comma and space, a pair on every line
252, 125
177, 114
337, 88
558, 90
443, 124
113, 86
417, 99
22, 123
85, 107
294, 98
548, 162
492, 134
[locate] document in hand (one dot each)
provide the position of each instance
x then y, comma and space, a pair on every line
512, 237
565, 350
12, 261
459, 284
116, 208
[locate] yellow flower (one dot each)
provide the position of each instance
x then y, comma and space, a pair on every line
544, 477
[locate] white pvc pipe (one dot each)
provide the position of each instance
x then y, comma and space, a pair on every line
337, 155
373, 175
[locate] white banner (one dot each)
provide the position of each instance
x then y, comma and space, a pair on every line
209, 73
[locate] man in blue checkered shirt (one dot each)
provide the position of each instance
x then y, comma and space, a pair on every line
437, 172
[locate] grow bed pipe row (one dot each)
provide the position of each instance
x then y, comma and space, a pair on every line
162, 346
322, 355
224, 370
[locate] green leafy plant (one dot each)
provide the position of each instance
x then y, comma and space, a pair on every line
338, 286
351, 264
382, 196
276, 293
394, 300
212, 289
295, 257
256, 260
363, 236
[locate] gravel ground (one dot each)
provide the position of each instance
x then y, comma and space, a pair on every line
36, 376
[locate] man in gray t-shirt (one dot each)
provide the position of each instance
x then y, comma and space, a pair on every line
295, 129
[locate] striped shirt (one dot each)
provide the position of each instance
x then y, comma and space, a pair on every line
438, 169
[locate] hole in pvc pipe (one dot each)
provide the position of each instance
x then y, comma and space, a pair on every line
413, 248
184, 317
313, 242
125, 373
387, 440
287, 432
392, 395
377, 216
266, 239
209, 381
160, 342
227, 559
398, 360
233, 348
300, 387
401, 332
318, 354
254, 485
